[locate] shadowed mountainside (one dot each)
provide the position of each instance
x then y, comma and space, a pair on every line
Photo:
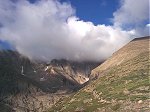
35, 86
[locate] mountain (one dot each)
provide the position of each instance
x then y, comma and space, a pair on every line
27, 85
120, 84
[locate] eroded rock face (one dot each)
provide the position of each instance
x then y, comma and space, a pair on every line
75, 71
35, 86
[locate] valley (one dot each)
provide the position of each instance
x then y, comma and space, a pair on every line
27, 85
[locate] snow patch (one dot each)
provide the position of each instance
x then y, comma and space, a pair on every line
46, 68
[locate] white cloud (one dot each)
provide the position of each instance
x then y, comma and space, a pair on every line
49, 30
132, 15
132, 12
148, 25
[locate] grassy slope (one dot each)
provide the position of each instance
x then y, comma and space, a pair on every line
123, 88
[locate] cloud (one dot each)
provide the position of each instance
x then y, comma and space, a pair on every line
132, 15
148, 25
48, 29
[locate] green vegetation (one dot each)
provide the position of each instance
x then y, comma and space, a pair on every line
115, 107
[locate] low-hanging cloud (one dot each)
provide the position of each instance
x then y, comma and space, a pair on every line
49, 30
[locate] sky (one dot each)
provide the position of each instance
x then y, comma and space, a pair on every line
97, 11
78, 30
5, 45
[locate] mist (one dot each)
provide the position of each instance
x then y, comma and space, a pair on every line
48, 29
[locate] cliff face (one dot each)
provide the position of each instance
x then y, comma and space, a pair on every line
77, 72
35, 86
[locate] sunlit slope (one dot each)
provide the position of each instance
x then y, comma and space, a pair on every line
129, 51
123, 83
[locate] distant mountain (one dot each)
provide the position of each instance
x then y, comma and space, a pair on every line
27, 85
120, 84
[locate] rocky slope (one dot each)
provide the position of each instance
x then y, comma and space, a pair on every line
131, 50
35, 86
122, 83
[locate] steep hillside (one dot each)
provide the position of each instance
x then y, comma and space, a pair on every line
34, 86
122, 83
129, 51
